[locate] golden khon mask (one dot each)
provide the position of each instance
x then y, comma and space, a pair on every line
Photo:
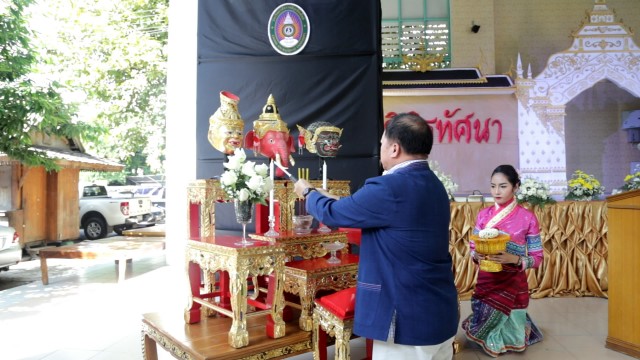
225, 125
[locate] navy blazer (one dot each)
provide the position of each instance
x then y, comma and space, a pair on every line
405, 266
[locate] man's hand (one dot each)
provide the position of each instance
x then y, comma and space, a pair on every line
300, 185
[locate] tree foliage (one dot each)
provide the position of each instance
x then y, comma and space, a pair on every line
111, 58
26, 105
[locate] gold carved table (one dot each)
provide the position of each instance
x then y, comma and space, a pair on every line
306, 246
203, 194
220, 253
313, 269
306, 277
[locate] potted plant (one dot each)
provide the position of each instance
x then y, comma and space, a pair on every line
583, 187
534, 192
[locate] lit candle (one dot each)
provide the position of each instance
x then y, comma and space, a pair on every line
272, 189
324, 175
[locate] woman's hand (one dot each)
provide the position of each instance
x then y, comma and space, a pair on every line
477, 257
504, 258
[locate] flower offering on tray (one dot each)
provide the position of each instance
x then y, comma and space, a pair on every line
490, 242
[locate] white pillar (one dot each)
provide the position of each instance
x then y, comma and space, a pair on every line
181, 122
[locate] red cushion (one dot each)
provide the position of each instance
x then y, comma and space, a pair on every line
341, 303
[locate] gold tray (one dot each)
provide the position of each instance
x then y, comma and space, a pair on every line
490, 266
491, 246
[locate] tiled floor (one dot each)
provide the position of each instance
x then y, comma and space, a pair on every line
84, 314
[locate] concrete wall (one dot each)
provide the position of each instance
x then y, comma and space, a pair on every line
535, 29
471, 49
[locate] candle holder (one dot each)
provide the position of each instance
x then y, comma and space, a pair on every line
272, 227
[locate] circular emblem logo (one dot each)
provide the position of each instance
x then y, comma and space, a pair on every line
289, 29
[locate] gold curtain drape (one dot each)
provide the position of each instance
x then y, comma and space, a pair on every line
574, 239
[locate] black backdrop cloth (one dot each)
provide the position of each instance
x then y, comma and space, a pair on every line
335, 78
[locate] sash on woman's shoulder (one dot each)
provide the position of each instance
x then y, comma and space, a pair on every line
501, 215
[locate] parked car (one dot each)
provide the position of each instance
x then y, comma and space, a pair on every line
100, 213
10, 250
156, 194
158, 214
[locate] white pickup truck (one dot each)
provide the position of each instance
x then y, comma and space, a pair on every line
100, 213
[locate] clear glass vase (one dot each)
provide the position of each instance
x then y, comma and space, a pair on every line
244, 213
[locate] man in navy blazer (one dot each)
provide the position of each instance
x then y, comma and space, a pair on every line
406, 298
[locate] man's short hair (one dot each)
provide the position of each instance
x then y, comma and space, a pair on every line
412, 133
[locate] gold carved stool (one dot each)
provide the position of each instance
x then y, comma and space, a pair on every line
333, 316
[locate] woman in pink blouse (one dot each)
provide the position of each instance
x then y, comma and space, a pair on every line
499, 322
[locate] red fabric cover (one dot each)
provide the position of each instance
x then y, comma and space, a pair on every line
353, 235
262, 217
341, 303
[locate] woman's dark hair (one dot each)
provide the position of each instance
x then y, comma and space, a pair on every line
412, 133
509, 172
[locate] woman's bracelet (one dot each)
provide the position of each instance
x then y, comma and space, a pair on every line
519, 263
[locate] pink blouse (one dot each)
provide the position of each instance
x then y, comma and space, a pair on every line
522, 225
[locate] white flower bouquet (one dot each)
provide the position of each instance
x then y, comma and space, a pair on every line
445, 179
583, 187
245, 180
534, 192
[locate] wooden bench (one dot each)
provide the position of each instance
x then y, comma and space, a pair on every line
119, 248
157, 230
207, 340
